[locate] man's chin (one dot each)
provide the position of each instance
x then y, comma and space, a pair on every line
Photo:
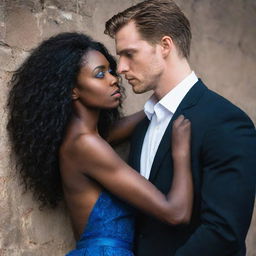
137, 87
137, 90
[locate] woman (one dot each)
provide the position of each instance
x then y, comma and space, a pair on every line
63, 113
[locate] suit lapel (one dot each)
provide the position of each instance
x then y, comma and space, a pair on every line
189, 101
138, 142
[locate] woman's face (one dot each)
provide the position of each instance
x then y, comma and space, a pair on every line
96, 86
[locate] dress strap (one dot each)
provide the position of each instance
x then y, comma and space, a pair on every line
104, 241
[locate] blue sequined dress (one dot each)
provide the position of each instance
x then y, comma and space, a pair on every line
109, 230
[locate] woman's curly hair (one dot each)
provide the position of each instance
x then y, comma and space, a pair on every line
40, 107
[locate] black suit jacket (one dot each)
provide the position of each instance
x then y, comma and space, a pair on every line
224, 175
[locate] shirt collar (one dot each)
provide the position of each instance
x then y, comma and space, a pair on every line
173, 98
149, 106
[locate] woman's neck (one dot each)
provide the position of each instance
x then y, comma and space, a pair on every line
86, 118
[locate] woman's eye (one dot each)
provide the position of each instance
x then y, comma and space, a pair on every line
111, 72
100, 74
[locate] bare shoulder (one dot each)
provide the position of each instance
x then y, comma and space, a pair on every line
87, 140
88, 143
93, 149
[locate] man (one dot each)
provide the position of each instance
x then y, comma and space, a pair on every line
153, 43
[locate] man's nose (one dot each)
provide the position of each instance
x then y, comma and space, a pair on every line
122, 66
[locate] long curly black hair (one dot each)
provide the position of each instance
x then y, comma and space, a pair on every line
40, 107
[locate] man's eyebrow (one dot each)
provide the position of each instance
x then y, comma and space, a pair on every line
124, 51
120, 52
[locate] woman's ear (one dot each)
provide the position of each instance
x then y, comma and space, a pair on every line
75, 94
167, 45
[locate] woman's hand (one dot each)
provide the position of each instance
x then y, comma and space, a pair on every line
181, 137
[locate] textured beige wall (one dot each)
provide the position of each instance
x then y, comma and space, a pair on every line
223, 55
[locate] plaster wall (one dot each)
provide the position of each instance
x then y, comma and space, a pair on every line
223, 54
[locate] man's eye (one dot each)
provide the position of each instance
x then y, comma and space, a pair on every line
129, 54
100, 74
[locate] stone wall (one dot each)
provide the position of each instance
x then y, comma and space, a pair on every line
223, 55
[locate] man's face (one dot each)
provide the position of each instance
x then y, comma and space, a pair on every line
140, 62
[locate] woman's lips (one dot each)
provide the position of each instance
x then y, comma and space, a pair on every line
116, 93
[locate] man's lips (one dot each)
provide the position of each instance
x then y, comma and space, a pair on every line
129, 78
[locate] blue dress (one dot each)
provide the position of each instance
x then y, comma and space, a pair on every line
109, 230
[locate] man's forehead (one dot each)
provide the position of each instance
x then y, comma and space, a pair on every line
127, 40
128, 32
123, 46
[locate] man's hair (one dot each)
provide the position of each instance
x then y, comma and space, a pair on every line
155, 19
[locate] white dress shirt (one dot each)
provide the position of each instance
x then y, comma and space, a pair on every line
160, 114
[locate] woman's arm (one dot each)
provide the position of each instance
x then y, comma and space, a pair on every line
182, 184
100, 162
124, 127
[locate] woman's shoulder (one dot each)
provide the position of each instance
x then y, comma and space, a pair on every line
90, 145
82, 142
88, 141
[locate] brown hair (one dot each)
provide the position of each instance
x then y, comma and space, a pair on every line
155, 19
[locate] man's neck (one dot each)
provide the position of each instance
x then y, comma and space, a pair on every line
175, 71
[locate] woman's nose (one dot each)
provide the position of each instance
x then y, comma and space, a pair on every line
114, 80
